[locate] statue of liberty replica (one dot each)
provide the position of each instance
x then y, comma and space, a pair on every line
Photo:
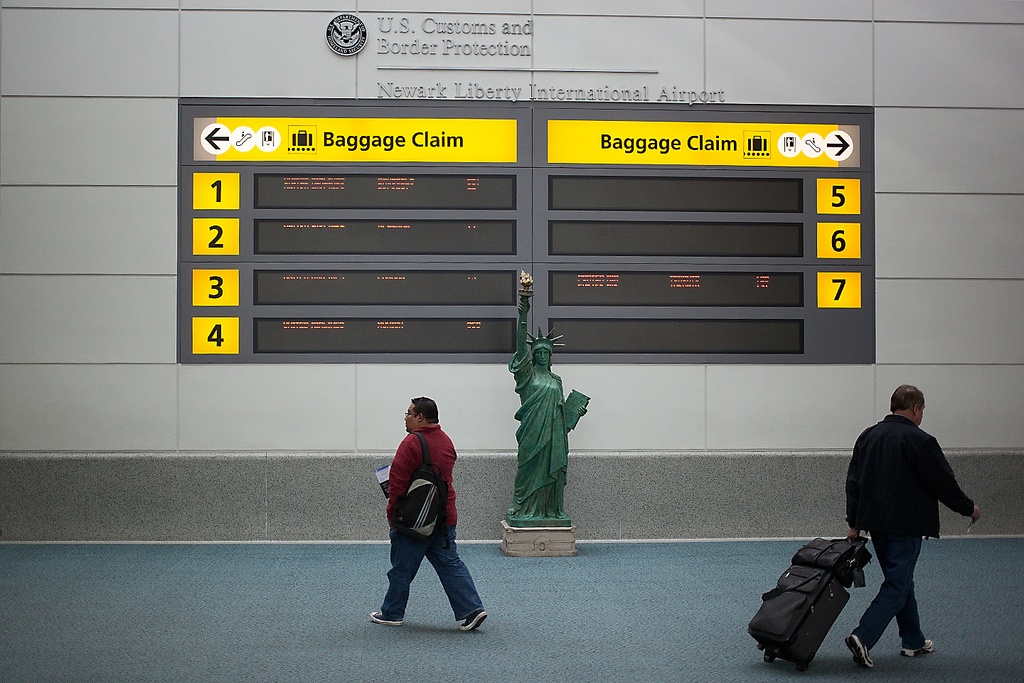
545, 420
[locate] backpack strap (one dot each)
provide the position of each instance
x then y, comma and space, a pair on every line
424, 449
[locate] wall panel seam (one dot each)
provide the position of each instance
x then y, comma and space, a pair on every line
927, 107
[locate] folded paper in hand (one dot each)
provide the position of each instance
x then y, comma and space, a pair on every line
383, 475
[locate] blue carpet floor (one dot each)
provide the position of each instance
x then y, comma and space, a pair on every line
616, 612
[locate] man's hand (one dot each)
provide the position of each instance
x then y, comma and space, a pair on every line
852, 534
976, 514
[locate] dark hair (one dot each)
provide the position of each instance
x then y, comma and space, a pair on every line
906, 397
426, 407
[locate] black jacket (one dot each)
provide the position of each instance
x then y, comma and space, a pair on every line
896, 479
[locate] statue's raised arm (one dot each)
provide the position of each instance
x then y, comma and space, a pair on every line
525, 294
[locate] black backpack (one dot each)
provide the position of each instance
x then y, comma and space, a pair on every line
422, 510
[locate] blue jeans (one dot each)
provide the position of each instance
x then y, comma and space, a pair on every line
406, 556
897, 556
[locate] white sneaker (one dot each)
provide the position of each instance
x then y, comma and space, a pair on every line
929, 646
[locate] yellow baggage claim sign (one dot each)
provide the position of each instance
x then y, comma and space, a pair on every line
701, 144
357, 140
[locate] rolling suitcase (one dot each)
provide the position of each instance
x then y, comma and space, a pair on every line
797, 614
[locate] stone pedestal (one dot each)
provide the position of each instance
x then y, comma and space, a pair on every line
541, 541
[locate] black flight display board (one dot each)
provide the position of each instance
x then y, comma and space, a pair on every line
362, 231
407, 237
675, 193
378, 191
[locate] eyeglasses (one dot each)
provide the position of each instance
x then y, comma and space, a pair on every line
409, 414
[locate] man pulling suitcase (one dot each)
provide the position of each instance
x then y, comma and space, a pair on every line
897, 477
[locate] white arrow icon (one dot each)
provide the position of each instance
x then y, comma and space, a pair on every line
838, 146
215, 138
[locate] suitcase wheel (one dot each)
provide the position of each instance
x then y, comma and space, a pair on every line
769, 656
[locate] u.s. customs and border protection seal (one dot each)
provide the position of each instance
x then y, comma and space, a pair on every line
346, 34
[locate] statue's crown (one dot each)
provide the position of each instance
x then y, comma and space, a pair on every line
542, 339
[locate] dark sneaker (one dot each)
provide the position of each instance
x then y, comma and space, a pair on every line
378, 618
475, 618
860, 653
929, 646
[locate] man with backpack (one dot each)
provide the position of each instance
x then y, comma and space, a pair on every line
408, 551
